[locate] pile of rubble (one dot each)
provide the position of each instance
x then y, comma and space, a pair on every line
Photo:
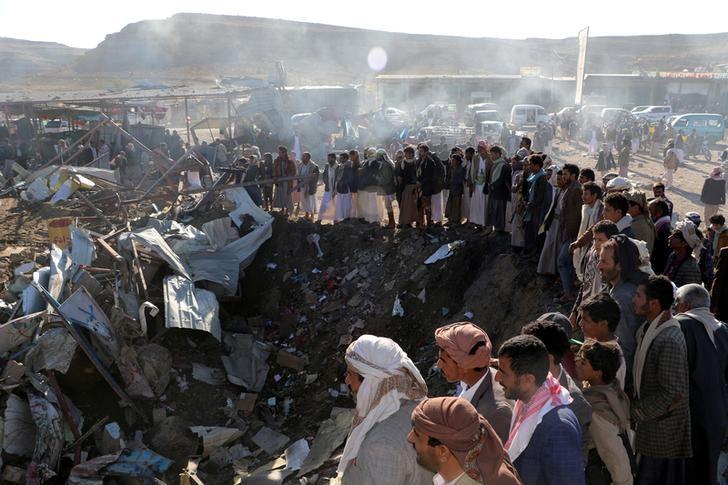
140, 346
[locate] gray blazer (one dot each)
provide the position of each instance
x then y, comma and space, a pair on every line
491, 403
386, 457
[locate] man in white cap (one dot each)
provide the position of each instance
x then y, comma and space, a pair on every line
387, 387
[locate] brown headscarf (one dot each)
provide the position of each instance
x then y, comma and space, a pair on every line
456, 424
457, 339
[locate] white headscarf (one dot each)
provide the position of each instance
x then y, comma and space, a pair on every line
687, 228
389, 375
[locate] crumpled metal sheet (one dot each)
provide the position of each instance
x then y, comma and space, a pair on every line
136, 463
189, 307
153, 240
246, 362
32, 301
220, 267
60, 266
83, 250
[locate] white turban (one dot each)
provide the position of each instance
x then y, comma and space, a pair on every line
687, 228
389, 375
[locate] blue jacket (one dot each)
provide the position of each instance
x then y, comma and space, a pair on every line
553, 456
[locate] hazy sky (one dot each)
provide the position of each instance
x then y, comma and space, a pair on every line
84, 23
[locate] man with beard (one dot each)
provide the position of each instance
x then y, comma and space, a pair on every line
387, 386
706, 341
464, 357
660, 406
453, 440
618, 266
544, 443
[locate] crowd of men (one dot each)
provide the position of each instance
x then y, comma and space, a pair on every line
552, 408
627, 386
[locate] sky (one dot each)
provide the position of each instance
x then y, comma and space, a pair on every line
84, 23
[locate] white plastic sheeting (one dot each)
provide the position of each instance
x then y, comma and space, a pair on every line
189, 307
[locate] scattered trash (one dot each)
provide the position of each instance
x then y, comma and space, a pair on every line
269, 440
397, 310
215, 436
331, 434
245, 363
444, 251
201, 372
296, 454
314, 239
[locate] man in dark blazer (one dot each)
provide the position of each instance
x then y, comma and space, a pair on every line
464, 356
570, 221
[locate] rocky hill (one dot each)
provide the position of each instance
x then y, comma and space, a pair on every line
21, 58
245, 45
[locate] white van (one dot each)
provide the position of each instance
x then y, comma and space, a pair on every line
655, 113
528, 115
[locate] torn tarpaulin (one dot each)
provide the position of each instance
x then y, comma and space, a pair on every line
19, 429
190, 307
246, 362
136, 463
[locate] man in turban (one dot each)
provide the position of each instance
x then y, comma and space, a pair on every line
464, 357
387, 386
452, 439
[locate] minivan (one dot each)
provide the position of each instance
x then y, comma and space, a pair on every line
528, 115
709, 126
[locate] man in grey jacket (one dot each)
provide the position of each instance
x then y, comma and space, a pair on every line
464, 357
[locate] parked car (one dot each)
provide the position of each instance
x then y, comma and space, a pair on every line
488, 123
637, 109
655, 113
709, 126
608, 115
528, 115
56, 126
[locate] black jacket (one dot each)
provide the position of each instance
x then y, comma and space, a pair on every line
713, 192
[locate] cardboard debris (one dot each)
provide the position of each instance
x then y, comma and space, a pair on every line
245, 363
331, 434
270, 440
296, 454
189, 474
246, 401
111, 439
289, 360
215, 436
